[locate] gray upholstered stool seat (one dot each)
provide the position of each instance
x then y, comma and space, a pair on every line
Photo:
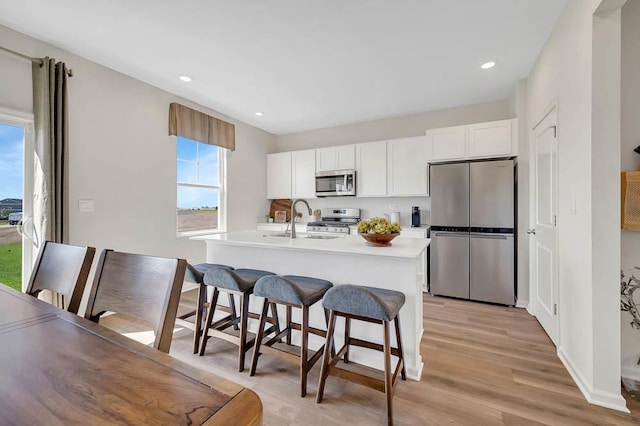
369, 304
195, 274
232, 281
292, 291
239, 280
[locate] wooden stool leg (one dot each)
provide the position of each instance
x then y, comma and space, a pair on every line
326, 357
259, 336
288, 320
403, 372
209, 320
244, 316
232, 308
274, 317
347, 333
326, 321
303, 351
197, 329
388, 380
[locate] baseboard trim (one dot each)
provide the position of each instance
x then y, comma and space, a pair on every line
630, 368
522, 304
593, 396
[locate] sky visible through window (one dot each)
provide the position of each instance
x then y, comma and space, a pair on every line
11, 164
197, 164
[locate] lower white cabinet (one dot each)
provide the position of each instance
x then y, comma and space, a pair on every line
279, 175
407, 166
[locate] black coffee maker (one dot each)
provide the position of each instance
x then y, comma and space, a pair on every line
415, 216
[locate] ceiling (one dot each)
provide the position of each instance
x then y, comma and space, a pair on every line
304, 64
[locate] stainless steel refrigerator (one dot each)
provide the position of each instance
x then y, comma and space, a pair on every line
472, 230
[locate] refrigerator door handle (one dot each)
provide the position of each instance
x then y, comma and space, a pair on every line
490, 236
451, 234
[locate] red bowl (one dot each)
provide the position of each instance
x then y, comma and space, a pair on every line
379, 240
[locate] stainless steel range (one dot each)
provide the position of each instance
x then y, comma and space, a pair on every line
334, 221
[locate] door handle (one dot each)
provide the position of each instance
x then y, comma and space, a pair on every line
531, 231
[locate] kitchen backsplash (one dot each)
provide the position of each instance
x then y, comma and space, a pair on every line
373, 207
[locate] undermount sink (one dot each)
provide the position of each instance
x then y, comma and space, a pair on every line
308, 236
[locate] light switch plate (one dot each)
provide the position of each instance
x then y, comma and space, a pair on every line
392, 206
85, 206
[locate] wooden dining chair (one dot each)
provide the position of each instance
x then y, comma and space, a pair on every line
62, 269
145, 287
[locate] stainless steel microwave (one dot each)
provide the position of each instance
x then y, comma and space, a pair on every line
336, 183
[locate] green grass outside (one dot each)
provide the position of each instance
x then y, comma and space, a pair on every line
4, 222
11, 265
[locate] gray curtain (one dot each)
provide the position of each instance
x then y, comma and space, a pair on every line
50, 215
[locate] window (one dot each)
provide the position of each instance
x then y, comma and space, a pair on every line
200, 186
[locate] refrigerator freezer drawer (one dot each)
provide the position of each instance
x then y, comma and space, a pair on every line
449, 267
491, 268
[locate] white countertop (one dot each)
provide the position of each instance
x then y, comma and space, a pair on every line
409, 248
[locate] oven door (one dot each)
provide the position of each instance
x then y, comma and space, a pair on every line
336, 183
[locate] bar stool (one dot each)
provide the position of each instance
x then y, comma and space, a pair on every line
368, 304
195, 273
293, 292
234, 282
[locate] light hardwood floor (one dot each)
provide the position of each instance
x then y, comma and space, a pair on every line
484, 365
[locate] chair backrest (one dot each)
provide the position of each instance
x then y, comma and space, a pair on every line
145, 287
63, 269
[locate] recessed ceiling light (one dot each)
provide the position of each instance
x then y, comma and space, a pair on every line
185, 78
487, 65
259, 114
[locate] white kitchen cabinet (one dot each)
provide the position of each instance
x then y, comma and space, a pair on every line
279, 175
491, 139
407, 166
371, 169
303, 174
335, 158
449, 143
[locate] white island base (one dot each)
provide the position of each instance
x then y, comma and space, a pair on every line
345, 260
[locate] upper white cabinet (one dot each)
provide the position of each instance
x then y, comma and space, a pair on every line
335, 158
449, 143
279, 175
371, 169
480, 140
490, 139
407, 166
303, 174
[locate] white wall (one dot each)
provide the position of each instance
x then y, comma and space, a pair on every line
629, 160
121, 156
588, 292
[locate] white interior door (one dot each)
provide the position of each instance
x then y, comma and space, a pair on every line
543, 231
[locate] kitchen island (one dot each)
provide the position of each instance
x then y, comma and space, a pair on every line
342, 260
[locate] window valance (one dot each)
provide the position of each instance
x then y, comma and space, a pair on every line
192, 124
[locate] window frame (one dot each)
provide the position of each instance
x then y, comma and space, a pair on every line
221, 187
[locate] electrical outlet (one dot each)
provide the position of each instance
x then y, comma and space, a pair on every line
392, 206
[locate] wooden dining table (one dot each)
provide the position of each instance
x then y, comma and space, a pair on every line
57, 368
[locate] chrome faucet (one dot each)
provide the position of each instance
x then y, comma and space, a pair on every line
293, 215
